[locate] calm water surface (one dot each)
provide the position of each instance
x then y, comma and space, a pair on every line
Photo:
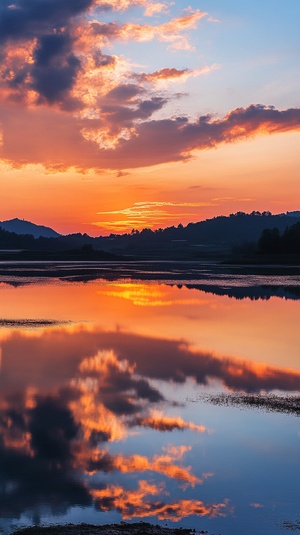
172, 401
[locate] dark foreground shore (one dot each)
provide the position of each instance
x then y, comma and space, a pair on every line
140, 528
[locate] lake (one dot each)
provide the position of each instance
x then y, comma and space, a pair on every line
167, 393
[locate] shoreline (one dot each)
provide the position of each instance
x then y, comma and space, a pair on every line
123, 528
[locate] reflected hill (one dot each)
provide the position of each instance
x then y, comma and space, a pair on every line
238, 282
251, 292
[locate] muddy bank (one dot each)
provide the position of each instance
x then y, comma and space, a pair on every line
140, 528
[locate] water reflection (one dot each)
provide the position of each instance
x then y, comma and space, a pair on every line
98, 416
240, 282
65, 396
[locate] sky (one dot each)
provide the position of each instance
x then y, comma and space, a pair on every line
122, 114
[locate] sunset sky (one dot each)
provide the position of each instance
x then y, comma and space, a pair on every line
121, 114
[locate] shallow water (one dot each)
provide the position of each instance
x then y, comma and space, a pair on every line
165, 399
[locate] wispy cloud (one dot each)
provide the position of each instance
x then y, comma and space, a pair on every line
142, 214
168, 75
147, 208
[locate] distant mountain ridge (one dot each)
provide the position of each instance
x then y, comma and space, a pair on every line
20, 226
220, 236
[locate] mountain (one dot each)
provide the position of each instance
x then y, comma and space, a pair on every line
212, 236
296, 213
20, 226
216, 237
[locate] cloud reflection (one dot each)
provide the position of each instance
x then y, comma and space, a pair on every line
66, 396
137, 500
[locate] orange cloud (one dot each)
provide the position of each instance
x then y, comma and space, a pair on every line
57, 143
141, 214
173, 75
88, 110
156, 420
151, 8
161, 464
134, 504
170, 32
94, 418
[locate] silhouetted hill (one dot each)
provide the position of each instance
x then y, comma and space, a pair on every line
272, 242
215, 236
295, 213
206, 239
19, 226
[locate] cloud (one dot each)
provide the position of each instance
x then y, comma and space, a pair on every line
160, 422
136, 503
52, 428
212, 19
141, 214
151, 8
36, 482
55, 67
105, 362
169, 32
173, 75
31, 18
88, 109
36, 451
43, 29
162, 464
159, 141
124, 92
51, 50
56, 140
120, 390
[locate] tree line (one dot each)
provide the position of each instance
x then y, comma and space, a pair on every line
272, 242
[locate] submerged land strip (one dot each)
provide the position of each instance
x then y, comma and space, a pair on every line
31, 322
267, 402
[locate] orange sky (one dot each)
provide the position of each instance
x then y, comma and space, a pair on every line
147, 113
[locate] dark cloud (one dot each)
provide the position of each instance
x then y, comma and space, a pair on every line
52, 429
103, 60
12, 417
104, 463
104, 6
125, 92
36, 484
27, 19
54, 67
120, 404
98, 436
111, 29
44, 476
127, 115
